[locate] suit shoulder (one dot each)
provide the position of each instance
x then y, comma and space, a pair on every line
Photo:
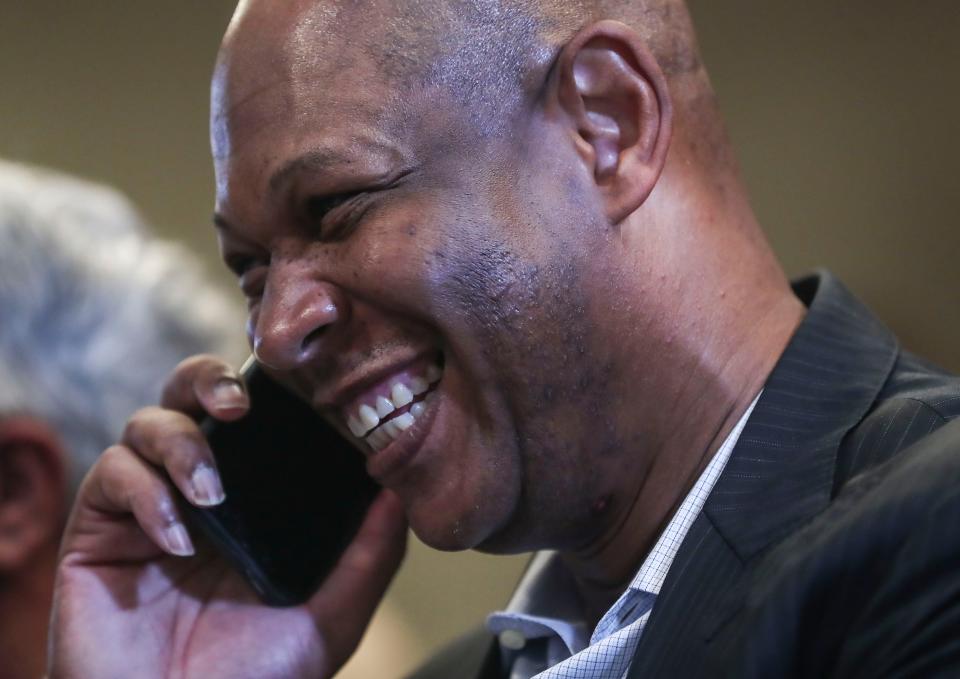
872, 581
916, 379
916, 400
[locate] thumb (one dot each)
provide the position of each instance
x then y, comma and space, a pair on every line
347, 599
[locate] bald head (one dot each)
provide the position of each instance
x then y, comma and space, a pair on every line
485, 52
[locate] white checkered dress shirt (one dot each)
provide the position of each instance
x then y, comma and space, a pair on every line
542, 633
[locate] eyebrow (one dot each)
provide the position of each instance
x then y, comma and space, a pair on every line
312, 161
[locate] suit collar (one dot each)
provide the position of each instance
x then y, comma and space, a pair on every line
779, 475
781, 472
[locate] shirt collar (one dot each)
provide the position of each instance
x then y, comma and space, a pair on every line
545, 601
653, 571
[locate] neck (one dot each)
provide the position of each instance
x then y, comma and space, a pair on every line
25, 598
703, 398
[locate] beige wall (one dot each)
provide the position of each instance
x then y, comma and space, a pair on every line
845, 114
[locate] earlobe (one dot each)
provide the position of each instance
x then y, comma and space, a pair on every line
32, 490
617, 101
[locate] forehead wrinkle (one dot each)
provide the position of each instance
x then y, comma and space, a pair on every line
298, 96
222, 114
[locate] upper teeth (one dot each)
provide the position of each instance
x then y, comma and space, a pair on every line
385, 407
368, 416
401, 395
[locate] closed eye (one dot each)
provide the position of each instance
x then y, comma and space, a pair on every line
241, 264
332, 217
316, 207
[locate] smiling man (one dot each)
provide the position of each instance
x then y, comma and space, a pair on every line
482, 218
504, 248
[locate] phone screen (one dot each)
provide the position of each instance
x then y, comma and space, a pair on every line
296, 492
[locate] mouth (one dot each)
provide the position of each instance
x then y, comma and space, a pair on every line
382, 413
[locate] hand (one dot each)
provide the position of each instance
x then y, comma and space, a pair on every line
134, 598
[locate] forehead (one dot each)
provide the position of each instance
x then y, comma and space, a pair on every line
291, 67
300, 84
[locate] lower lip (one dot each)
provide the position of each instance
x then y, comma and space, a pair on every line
388, 462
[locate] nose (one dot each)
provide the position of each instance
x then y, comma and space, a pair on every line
295, 314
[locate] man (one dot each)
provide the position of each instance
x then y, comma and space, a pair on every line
95, 314
532, 208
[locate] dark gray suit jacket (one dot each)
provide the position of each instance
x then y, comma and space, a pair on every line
830, 545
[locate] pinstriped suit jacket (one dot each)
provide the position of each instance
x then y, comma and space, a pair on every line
830, 546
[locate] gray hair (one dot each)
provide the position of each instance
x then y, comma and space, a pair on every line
95, 312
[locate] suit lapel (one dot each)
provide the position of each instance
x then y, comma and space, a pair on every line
779, 475
702, 575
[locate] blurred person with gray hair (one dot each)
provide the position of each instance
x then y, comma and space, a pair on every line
95, 314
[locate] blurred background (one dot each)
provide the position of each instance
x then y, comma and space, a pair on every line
845, 114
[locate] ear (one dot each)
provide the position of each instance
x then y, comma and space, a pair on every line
32, 490
616, 99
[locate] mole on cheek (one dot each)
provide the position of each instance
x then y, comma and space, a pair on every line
602, 505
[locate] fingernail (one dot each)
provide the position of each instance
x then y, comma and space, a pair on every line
227, 393
207, 489
178, 540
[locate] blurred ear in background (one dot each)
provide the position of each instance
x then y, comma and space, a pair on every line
33, 492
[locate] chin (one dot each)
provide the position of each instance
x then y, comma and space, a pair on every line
448, 536
457, 526
514, 537
443, 539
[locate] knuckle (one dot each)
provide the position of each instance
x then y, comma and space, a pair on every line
140, 422
101, 469
175, 442
189, 366
113, 474
364, 559
203, 367
111, 457
189, 375
183, 374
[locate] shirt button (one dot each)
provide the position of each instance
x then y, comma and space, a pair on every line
512, 639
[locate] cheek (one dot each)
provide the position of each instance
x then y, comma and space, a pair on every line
467, 482
392, 256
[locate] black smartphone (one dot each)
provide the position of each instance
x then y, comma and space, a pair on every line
296, 492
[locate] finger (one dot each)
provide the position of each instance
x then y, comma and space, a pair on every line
170, 439
122, 482
206, 384
346, 601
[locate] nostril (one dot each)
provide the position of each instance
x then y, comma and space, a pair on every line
291, 321
311, 343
